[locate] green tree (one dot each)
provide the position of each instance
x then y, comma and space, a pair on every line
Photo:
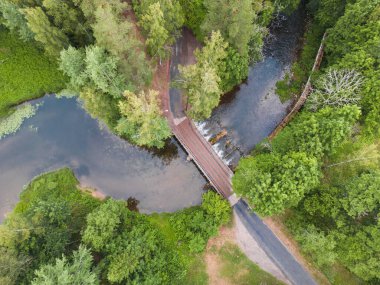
153, 23
134, 250
102, 69
201, 86
194, 226
271, 182
288, 6
142, 121
11, 265
234, 19
216, 208
318, 245
69, 19
359, 252
353, 44
72, 63
63, 272
52, 39
172, 19
194, 14
116, 34
362, 195
201, 81
46, 222
89, 7
100, 106
14, 20
318, 134
236, 69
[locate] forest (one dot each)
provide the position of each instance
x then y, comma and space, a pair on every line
109, 52
321, 174
60, 234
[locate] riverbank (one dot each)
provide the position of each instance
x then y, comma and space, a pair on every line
63, 134
26, 72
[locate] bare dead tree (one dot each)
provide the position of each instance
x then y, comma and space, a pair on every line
338, 87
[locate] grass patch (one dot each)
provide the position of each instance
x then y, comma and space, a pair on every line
25, 71
237, 268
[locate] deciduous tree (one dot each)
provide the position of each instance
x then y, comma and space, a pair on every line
153, 23
271, 183
234, 19
142, 121
102, 69
72, 63
52, 39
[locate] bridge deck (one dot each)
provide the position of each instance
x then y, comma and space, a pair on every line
198, 148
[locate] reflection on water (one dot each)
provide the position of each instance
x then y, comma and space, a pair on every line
63, 134
253, 110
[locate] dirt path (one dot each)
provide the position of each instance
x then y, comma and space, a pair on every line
211, 258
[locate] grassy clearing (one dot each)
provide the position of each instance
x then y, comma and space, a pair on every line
239, 270
25, 72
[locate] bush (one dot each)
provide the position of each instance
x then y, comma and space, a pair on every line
194, 226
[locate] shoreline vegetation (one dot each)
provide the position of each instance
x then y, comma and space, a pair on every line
322, 170
114, 79
55, 220
26, 73
320, 175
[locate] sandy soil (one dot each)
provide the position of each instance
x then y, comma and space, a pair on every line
93, 192
212, 260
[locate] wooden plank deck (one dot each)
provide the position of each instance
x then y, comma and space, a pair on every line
199, 149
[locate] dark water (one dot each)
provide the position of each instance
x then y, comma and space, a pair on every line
250, 113
63, 134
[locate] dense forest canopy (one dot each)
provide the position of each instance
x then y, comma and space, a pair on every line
59, 234
322, 170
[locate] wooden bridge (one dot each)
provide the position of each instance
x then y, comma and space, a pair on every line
199, 150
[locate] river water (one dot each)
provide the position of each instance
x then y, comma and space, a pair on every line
251, 112
63, 134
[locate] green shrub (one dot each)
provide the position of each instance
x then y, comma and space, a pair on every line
194, 226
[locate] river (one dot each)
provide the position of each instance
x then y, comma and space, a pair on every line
251, 112
63, 134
